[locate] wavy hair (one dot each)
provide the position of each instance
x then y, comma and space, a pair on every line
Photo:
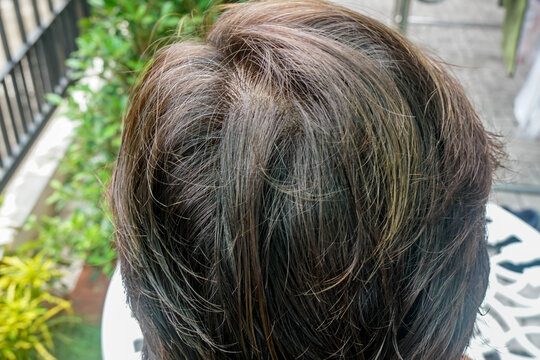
305, 183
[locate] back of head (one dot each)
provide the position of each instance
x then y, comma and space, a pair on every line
303, 184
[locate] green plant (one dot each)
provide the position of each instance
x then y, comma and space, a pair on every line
77, 339
27, 307
116, 42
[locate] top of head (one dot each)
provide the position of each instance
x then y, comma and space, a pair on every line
305, 183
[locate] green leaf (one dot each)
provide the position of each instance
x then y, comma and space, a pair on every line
96, 3
141, 10
54, 99
75, 63
167, 8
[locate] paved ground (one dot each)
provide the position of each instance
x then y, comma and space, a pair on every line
474, 56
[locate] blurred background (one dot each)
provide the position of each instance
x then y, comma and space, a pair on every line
66, 67
468, 37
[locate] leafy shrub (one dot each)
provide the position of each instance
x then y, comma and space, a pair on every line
77, 340
27, 307
116, 42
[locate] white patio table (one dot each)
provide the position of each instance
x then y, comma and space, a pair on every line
507, 329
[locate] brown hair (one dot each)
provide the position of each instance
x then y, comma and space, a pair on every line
303, 184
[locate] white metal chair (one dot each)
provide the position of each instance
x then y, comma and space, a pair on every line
510, 326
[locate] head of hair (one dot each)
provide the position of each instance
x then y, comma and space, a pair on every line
305, 183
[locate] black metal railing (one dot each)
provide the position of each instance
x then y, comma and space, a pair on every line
36, 37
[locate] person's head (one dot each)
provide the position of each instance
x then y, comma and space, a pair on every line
304, 184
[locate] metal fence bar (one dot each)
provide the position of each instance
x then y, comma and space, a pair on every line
19, 20
11, 113
35, 9
15, 95
5, 138
32, 70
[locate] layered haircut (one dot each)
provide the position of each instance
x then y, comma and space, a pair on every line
307, 184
